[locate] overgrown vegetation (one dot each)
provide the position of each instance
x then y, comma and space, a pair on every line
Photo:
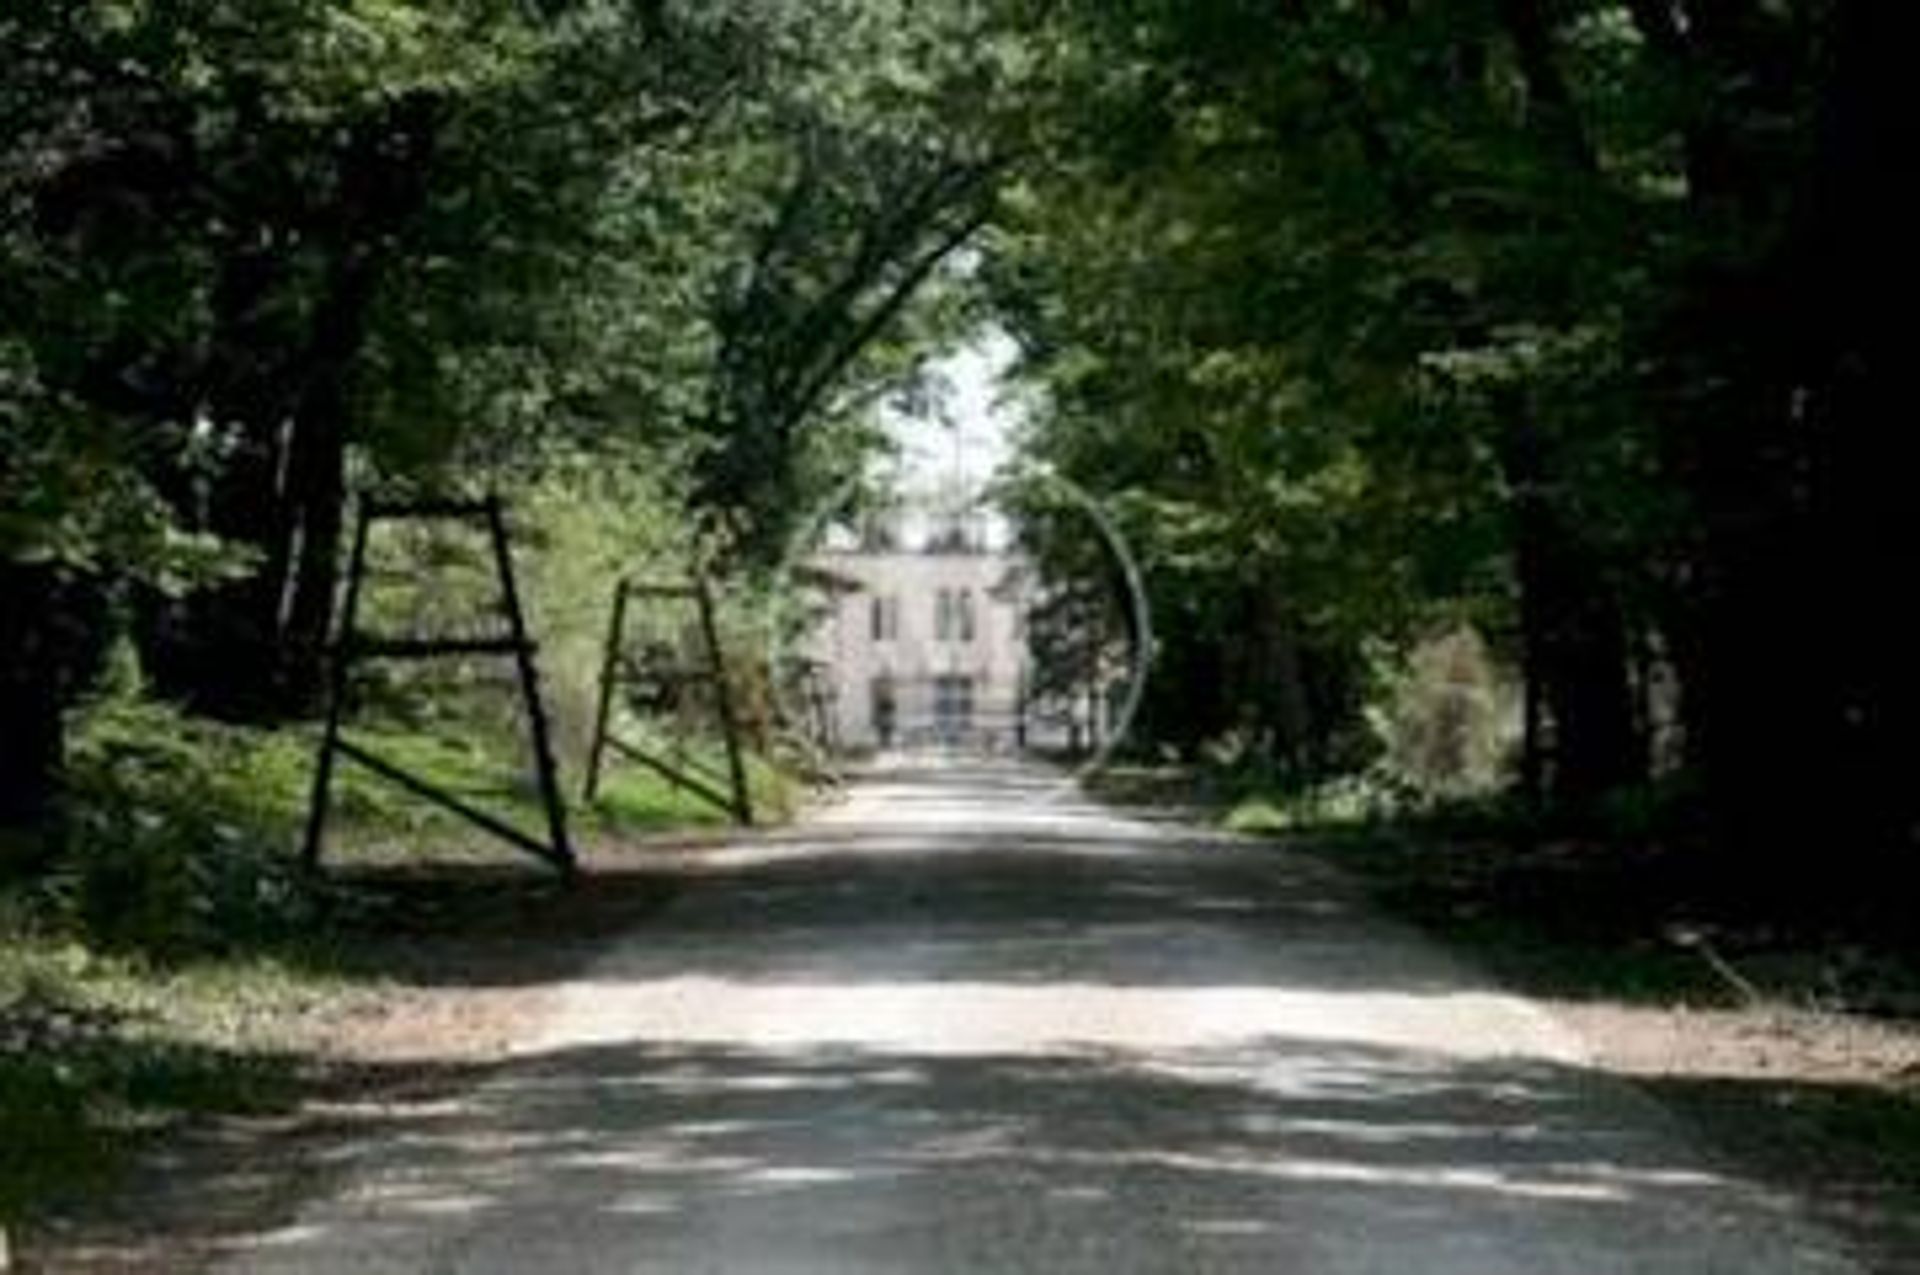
639, 269
1451, 366
1499, 396
259, 259
149, 971
1543, 322
98, 1052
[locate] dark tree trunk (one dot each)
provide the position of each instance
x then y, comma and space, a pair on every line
1533, 676
215, 655
51, 634
1574, 641
1187, 694
1589, 696
253, 650
316, 484
30, 699
1278, 691
308, 612
1795, 649
1856, 268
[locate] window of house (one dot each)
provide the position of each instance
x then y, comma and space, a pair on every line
953, 615
885, 619
885, 709
952, 706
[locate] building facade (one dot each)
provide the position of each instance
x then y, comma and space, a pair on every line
924, 648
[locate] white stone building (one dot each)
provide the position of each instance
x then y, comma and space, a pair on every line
924, 648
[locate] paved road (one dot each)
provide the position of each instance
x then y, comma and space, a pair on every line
954, 1026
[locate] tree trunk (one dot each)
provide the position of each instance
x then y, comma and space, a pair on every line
1574, 639
1855, 267
1795, 653
1284, 686
30, 701
308, 613
52, 632
253, 650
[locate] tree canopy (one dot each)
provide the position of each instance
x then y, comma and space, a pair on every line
1565, 321
1550, 318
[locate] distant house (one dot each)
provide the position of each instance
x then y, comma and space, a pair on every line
924, 646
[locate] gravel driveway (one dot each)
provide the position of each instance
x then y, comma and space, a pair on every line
962, 1022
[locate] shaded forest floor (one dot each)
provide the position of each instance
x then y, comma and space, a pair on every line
1794, 1053
1790, 1048
174, 973
420, 991
1783, 1051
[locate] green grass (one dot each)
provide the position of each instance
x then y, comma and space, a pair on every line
149, 976
1259, 815
1248, 800
264, 778
1617, 920
1595, 918
635, 799
372, 816
100, 1052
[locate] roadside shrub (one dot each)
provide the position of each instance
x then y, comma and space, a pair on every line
180, 833
576, 531
1449, 719
1662, 810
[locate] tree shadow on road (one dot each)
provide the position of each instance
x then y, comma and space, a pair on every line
840, 1150
1284, 1155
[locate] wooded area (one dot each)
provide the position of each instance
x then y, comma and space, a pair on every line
1565, 321
1570, 323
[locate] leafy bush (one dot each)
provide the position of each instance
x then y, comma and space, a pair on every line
1449, 719
97, 1051
576, 531
1665, 809
180, 836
